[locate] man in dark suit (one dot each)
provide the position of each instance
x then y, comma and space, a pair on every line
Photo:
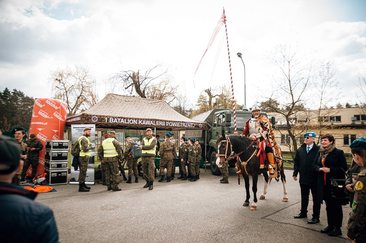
303, 164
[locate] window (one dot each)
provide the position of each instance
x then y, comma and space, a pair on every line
348, 138
335, 118
285, 139
360, 117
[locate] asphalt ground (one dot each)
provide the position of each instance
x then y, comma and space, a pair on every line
183, 211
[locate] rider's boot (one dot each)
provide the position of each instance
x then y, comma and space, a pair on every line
272, 165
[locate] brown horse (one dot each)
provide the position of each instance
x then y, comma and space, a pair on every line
244, 151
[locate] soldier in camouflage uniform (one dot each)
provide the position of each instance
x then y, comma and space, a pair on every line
131, 161
34, 147
183, 158
148, 147
198, 158
111, 152
19, 135
167, 156
357, 221
84, 156
193, 153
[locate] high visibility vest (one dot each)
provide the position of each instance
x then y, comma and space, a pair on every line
82, 153
108, 148
147, 142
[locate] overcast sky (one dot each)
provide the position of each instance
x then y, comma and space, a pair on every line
38, 37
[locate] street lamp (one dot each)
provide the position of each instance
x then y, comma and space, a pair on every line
245, 85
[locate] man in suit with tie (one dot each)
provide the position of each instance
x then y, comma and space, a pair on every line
303, 164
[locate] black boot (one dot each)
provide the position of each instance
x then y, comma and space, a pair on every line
82, 189
168, 179
136, 179
129, 179
87, 187
181, 176
197, 177
161, 179
151, 186
147, 184
184, 178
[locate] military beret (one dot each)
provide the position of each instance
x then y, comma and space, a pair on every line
111, 132
310, 134
168, 134
87, 128
148, 129
359, 144
9, 155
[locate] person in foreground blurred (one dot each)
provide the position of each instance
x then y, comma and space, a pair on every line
356, 227
22, 219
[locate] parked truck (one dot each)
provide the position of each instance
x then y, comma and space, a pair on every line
220, 121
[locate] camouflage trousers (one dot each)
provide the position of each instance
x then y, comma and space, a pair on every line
183, 169
225, 171
132, 167
193, 168
84, 160
148, 168
168, 164
111, 171
103, 168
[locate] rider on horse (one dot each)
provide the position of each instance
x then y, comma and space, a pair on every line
259, 129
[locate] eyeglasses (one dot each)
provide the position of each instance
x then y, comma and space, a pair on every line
307, 137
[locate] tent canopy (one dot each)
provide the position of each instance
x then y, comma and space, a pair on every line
134, 112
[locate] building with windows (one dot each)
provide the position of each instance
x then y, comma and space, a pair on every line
345, 124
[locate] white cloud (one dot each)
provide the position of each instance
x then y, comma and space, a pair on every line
38, 37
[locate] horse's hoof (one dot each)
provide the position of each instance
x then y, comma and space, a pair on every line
253, 207
262, 197
246, 204
285, 199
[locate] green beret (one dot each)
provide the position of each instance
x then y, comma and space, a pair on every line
310, 134
359, 144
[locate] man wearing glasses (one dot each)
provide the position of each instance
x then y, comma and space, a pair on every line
303, 164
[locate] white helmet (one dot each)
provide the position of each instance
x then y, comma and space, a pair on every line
255, 108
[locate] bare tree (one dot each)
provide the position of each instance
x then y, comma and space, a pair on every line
289, 101
181, 105
325, 88
363, 94
75, 87
146, 85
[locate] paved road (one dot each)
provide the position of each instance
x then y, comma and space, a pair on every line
181, 211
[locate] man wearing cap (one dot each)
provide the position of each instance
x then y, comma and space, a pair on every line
84, 156
304, 162
148, 152
111, 151
193, 154
356, 227
34, 146
183, 157
167, 155
259, 129
22, 219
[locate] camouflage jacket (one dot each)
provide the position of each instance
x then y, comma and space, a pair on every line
36, 145
194, 153
183, 151
168, 150
357, 220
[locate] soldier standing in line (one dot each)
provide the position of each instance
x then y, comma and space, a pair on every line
192, 159
84, 156
19, 135
111, 151
148, 147
103, 166
183, 157
167, 155
173, 141
198, 154
131, 161
34, 146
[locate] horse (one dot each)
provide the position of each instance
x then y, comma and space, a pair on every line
244, 151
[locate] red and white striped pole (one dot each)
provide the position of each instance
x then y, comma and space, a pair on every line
231, 74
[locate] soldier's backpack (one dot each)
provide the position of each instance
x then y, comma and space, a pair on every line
75, 149
136, 151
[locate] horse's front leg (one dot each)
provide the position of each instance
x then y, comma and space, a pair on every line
266, 179
253, 206
246, 182
283, 180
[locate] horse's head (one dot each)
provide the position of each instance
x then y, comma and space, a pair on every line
223, 149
